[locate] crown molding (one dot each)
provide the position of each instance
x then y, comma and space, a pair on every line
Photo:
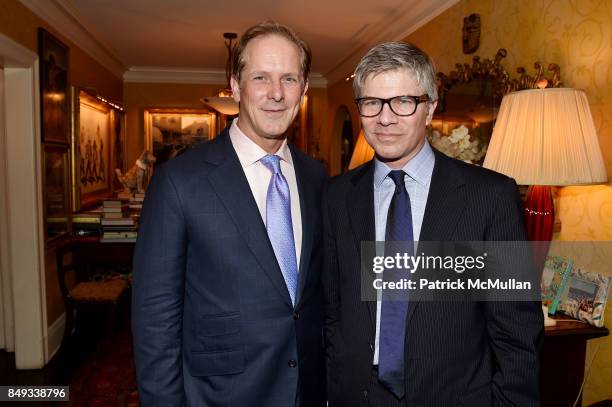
154, 74
398, 24
60, 15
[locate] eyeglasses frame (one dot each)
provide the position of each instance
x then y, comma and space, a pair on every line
417, 99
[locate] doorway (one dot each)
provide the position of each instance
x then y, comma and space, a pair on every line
21, 239
342, 141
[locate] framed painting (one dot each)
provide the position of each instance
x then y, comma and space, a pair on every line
171, 132
54, 88
92, 143
56, 190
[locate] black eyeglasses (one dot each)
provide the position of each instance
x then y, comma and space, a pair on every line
400, 105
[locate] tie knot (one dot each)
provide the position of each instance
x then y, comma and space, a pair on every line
398, 177
272, 162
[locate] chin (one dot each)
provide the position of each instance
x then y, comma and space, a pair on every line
277, 131
388, 154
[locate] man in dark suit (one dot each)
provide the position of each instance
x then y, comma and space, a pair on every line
228, 306
403, 353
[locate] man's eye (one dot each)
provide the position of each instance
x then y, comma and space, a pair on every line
291, 79
370, 102
404, 101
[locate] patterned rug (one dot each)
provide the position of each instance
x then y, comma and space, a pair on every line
107, 378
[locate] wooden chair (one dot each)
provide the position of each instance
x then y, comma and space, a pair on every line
90, 280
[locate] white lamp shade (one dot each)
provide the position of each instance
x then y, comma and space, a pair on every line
222, 104
546, 137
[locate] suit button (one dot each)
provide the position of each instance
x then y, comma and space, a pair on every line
365, 394
296, 316
292, 363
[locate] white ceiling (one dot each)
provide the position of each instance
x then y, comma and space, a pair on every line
187, 35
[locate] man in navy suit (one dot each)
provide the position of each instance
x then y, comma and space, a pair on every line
410, 353
228, 305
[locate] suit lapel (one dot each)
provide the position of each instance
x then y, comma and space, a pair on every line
232, 188
444, 206
360, 205
309, 203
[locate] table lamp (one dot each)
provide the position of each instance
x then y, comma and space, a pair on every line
543, 138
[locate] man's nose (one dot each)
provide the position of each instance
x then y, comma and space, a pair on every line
275, 91
386, 116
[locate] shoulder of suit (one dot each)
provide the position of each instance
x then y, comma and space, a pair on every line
193, 159
473, 174
313, 167
349, 178
481, 181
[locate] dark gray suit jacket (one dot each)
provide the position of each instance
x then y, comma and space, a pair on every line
213, 322
456, 353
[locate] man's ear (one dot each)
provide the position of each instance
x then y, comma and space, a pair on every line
304, 92
431, 108
235, 88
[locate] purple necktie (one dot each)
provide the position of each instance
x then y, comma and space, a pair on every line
279, 225
393, 308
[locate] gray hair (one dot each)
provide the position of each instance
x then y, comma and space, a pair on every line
390, 56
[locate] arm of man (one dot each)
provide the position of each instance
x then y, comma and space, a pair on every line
516, 329
331, 292
158, 289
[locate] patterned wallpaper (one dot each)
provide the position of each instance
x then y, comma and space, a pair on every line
577, 35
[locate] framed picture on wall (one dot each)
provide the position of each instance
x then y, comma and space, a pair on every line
94, 125
54, 88
56, 190
171, 132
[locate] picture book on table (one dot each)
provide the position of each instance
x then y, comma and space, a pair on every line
555, 276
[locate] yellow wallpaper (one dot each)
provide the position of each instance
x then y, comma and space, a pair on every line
574, 34
577, 35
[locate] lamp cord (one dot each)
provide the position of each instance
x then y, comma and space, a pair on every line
586, 375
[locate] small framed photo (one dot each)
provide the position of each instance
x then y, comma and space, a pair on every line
56, 190
54, 88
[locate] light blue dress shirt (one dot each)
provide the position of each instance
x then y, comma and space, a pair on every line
419, 170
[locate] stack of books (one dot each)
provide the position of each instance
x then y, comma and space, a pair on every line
117, 226
136, 201
86, 224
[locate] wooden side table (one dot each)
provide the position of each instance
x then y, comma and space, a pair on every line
563, 361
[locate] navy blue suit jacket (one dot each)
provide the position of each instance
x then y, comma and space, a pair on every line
213, 322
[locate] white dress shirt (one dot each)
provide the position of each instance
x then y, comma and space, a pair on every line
258, 176
419, 170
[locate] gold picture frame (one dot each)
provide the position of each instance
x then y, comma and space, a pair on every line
93, 147
170, 132
54, 88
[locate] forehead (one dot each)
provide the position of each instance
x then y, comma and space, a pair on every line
271, 50
390, 83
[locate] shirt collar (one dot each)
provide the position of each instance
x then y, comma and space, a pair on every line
419, 167
249, 152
